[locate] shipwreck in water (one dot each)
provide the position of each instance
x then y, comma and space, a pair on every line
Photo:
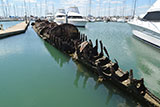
68, 40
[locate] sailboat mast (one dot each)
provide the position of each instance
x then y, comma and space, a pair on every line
14, 10
40, 9
53, 9
46, 9
3, 8
105, 9
25, 8
123, 8
99, 11
30, 10
36, 12
89, 7
116, 10
8, 8
134, 9
108, 7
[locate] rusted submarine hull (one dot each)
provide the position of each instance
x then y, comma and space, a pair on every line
68, 39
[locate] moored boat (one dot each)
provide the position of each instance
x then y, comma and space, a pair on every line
49, 17
74, 17
60, 16
147, 28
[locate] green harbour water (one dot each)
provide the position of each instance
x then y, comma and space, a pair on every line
35, 74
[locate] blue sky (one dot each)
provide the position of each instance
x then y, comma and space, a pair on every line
98, 7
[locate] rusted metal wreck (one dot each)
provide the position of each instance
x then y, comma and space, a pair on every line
68, 39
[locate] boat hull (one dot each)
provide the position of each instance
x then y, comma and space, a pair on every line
60, 20
77, 23
148, 36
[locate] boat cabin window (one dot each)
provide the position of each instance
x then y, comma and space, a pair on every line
152, 16
73, 9
75, 17
61, 11
60, 16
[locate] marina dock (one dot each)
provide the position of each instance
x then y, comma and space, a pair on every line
14, 30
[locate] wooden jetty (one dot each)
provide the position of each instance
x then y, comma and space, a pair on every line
14, 30
68, 39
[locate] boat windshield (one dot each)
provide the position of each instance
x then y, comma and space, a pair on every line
75, 17
61, 11
73, 9
152, 16
60, 16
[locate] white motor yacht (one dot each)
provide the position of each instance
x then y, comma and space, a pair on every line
75, 18
121, 20
49, 17
60, 16
147, 28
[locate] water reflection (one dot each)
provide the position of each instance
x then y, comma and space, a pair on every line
111, 90
57, 55
83, 74
147, 62
80, 73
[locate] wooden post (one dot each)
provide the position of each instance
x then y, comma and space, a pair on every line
90, 42
86, 37
83, 37
105, 50
80, 37
97, 45
112, 70
1, 27
131, 76
101, 47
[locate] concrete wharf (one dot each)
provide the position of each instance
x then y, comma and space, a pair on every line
14, 30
